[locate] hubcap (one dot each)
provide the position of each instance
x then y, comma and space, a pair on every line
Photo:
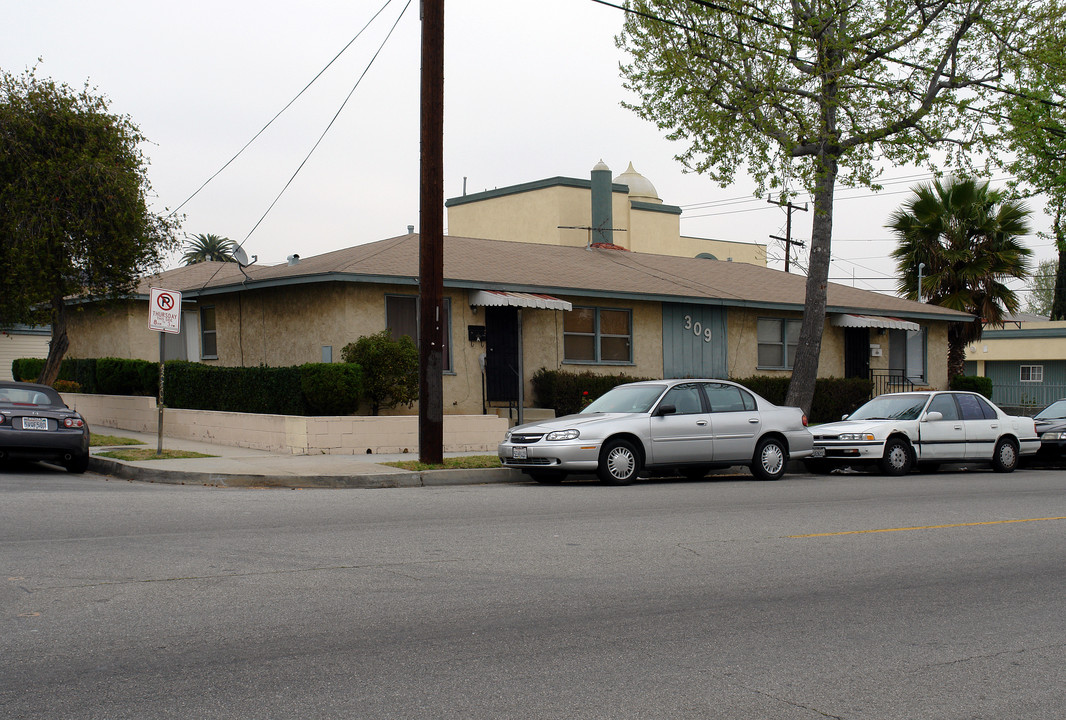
772, 459
621, 463
1006, 454
898, 457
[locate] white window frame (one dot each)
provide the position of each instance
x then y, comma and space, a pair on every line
1035, 373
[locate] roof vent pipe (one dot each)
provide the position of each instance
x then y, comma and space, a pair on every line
410, 229
602, 214
293, 259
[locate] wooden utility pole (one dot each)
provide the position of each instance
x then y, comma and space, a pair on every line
787, 239
431, 238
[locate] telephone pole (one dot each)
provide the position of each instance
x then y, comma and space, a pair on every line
789, 242
431, 238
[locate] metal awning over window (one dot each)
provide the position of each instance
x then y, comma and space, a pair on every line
873, 321
502, 298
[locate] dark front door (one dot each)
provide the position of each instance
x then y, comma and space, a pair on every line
501, 354
857, 353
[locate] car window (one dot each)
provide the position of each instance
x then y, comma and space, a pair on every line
891, 407
685, 398
728, 398
1054, 411
945, 405
28, 396
974, 408
626, 399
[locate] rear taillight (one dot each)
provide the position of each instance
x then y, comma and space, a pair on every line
3, 418
804, 421
73, 422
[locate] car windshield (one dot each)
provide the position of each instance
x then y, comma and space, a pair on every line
891, 407
626, 399
1054, 411
27, 396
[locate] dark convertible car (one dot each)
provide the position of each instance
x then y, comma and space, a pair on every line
1051, 427
35, 424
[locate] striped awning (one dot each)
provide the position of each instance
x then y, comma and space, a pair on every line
873, 321
503, 298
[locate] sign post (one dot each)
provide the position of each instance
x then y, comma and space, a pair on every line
164, 316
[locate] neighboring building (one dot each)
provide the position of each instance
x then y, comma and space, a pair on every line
1025, 359
626, 212
22, 341
517, 307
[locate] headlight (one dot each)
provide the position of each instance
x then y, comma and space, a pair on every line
855, 436
563, 435
1054, 436
507, 436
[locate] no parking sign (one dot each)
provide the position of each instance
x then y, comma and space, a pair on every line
164, 311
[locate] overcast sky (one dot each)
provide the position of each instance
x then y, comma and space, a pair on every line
532, 91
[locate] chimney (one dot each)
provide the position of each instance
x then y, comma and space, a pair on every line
602, 214
293, 259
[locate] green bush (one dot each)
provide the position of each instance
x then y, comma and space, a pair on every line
833, 397
103, 376
265, 390
331, 388
390, 369
973, 383
568, 392
27, 369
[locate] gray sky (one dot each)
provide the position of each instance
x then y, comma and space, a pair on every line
532, 91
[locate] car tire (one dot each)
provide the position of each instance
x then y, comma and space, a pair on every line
77, 463
1005, 456
619, 463
770, 460
547, 477
898, 458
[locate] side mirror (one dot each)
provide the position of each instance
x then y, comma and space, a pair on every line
844, 416
666, 410
933, 416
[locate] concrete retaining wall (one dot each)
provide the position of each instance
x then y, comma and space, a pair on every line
339, 435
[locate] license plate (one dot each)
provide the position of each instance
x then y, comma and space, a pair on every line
34, 423
818, 452
519, 453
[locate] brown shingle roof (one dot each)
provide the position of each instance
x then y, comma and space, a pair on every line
531, 267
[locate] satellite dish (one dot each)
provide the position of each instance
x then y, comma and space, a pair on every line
240, 256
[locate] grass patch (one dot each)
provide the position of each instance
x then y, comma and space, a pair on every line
109, 440
149, 454
465, 462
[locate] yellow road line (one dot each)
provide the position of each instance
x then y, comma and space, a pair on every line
925, 527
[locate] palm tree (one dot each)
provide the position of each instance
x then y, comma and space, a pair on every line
201, 248
968, 237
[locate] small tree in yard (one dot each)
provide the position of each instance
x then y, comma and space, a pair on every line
390, 369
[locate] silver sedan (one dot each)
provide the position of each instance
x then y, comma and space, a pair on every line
687, 425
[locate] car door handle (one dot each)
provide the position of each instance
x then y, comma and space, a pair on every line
753, 421
958, 427
701, 423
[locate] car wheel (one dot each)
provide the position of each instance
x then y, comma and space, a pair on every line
77, 463
619, 463
898, 458
770, 459
547, 477
1005, 456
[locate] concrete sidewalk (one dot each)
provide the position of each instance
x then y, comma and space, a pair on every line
244, 467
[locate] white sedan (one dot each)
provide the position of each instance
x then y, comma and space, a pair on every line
900, 431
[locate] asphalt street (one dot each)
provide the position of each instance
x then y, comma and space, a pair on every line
849, 596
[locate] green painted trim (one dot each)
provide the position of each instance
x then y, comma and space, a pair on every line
1014, 334
558, 181
655, 207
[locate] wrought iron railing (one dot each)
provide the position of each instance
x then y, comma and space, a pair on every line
890, 380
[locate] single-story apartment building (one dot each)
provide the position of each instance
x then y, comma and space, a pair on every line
514, 307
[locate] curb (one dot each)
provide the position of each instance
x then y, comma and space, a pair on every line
425, 478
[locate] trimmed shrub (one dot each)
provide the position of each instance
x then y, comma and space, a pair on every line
331, 388
973, 383
119, 376
390, 369
262, 389
833, 397
27, 369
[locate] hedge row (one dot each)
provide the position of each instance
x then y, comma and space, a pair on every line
311, 389
568, 392
973, 383
102, 376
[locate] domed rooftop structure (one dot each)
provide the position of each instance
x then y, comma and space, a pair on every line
640, 187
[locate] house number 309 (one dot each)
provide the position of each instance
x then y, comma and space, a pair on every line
697, 329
